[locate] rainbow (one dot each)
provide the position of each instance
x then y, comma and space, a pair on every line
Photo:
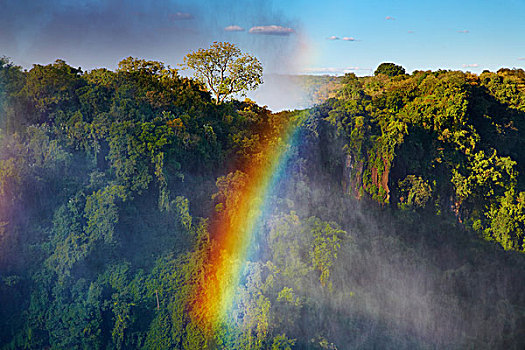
234, 235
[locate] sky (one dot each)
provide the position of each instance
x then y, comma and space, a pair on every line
288, 36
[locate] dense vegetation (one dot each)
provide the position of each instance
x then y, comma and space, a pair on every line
400, 223
440, 140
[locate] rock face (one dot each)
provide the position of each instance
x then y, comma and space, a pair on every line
353, 178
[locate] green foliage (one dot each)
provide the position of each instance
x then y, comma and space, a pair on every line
99, 248
225, 70
230, 189
414, 192
10, 179
324, 248
507, 221
389, 69
69, 241
135, 65
281, 342
101, 214
437, 140
50, 88
183, 211
12, 80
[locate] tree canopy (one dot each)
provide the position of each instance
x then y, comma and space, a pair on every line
395, 217
389, 69
225, 69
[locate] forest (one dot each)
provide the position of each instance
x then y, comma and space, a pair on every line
393, 215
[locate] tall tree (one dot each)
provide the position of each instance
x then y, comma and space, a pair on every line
225, 69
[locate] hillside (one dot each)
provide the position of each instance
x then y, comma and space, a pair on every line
392, 213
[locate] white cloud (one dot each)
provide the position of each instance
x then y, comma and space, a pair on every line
234, 29
346, 38
463, 31
271, 30
181, 16
390, 18
471, 65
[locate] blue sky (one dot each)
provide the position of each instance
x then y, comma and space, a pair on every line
289, 36
466, 35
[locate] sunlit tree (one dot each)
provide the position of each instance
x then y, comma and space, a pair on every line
225, 69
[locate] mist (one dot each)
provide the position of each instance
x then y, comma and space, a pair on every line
281, 92
400, 281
